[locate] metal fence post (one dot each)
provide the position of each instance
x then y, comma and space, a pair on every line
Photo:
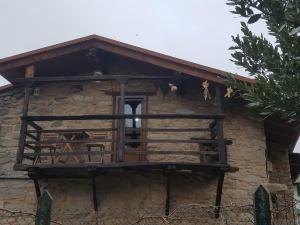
262, 211
43, 214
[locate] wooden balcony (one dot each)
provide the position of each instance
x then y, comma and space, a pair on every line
85, 146
112, 146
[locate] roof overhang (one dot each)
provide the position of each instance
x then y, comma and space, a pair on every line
119, 48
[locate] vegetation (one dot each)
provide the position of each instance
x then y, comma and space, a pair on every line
275, 66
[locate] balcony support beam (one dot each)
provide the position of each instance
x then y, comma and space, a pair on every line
219, 193
95, 200
168, 182
37, 188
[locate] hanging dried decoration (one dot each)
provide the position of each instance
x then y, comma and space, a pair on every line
206, 93
173, 87
229, 92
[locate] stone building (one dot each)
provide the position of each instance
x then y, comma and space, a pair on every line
110, 127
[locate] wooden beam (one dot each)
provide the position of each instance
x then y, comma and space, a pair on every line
115, 117
23, 130
214, 167
37, 188
171, 152
168, 182
71, 130
220, 132
29, 71
127, 129
95, 200
121, 123
87, 140
34, 125
106, 77
219, 194
149, 152
132, 93
32, 136
69, 153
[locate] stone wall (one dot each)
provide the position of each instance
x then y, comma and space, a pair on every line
129, 191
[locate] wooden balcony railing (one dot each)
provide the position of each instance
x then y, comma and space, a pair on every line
109, 141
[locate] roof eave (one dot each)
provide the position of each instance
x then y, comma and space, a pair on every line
120, 48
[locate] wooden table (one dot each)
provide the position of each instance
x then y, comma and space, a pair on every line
70, 136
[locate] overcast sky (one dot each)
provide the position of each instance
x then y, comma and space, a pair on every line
195, 30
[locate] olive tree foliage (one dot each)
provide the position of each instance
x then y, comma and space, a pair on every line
275, 66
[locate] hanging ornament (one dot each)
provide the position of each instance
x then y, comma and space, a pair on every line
229, 92
36, 91
205, 86
173, 87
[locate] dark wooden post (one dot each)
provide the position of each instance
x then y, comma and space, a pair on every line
262, 211
220, 132
121, 122
95, 200
43, 214
23, 129
37, 188
219, 193
168, 182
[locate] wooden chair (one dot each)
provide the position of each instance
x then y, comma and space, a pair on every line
52, 147
97, 145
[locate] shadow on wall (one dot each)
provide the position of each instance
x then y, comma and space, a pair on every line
132, 191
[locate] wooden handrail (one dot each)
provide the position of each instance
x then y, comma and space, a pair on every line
115, 117
86, 140
169, 129
148, 152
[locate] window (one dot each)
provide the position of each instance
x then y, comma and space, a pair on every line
133, 107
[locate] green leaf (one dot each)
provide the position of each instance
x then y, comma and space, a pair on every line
295, 31
254, 104
254, 18
249, 11
234, 48
282, 27
274, 64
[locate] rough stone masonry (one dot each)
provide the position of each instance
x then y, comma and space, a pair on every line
127, 194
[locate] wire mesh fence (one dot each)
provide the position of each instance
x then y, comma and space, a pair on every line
192, 214
285, 211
